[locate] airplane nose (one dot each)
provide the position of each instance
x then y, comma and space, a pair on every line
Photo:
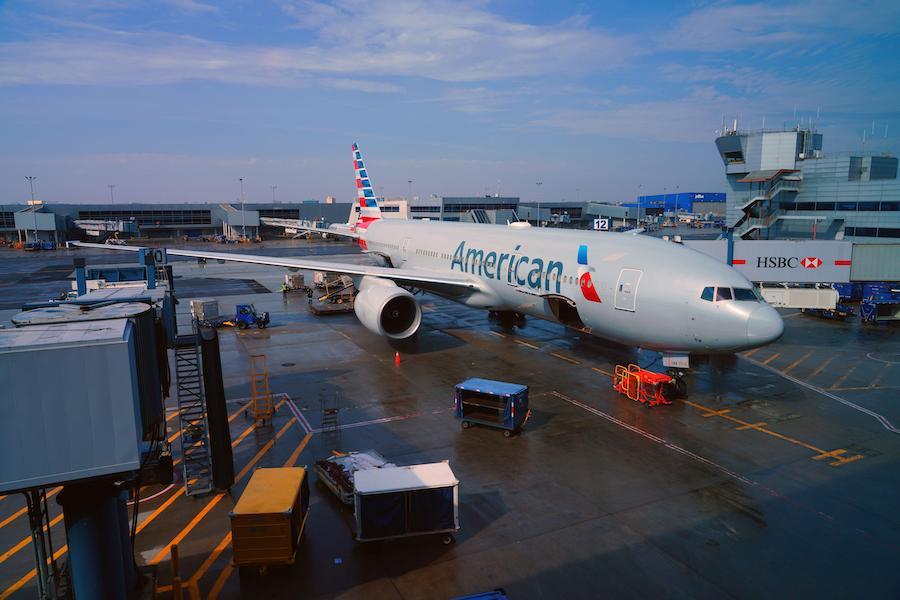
764, 326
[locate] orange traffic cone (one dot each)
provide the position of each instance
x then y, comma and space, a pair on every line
396, 358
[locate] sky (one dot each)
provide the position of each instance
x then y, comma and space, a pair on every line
177, 100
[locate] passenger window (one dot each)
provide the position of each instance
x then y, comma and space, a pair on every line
708, 293
723, 293
744, 295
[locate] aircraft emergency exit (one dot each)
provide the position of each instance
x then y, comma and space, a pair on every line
631, 289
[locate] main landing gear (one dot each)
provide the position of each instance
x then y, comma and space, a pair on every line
507, 319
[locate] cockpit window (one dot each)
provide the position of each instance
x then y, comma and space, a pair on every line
723, 293
744, 295
708, 293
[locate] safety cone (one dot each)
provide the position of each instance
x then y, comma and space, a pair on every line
396, 358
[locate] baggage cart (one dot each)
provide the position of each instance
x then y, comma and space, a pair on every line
337, 471
647, 387
492, 403
401, 502
268, 520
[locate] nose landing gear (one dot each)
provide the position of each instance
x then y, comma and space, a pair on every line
677, 389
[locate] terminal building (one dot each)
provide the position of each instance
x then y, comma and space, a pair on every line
471, 209
61, 222
701, 203
781, 185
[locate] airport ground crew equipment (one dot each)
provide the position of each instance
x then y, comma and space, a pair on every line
338, 470
268, 520
647, 387
338, 290
840, 312
245, 315
880, 302
406, 501
492, 403
262, 406
293, 282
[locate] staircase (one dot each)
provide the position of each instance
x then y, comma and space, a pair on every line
195, 455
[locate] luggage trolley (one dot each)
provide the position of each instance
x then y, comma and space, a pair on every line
641, 385
492, 403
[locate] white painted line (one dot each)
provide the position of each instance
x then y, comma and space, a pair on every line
655, 439
297, 413
878, 417
383, 420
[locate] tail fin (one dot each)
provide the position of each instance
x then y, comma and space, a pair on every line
368, 205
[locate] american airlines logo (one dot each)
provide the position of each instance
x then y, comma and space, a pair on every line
512, 267
787, 262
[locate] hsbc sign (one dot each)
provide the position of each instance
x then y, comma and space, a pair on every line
784, 261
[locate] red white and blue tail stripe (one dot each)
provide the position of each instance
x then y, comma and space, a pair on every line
368, 204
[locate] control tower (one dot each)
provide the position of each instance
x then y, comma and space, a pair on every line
781, 185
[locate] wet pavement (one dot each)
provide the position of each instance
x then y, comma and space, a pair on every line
777, 476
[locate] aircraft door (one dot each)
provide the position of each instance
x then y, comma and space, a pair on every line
404, 250
626, 289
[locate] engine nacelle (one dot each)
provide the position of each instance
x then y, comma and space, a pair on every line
387, 309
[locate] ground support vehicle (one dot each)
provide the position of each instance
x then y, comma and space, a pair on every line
492, 403
647, 387
269, 518
397, 502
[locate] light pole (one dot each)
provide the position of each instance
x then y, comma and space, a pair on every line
409, 197
112, 199
243, 214
274, 187
30, 180
539, 184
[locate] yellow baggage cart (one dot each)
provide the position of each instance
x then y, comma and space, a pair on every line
268, 520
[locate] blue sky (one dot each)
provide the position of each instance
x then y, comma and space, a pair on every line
173, 101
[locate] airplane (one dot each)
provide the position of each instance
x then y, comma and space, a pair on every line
631, 289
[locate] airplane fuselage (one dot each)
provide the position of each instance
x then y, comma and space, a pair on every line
632, 289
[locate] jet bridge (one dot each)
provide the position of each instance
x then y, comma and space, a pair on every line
98, 227
293, 227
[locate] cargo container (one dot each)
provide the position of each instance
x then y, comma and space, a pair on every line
406, 501
268, 520
492, 403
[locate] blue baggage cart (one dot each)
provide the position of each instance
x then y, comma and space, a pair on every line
492, 403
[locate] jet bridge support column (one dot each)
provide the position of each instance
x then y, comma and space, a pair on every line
96, 534
80, 277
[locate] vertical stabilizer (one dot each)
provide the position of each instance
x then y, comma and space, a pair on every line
368, 205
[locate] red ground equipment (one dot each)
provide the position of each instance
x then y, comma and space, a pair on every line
644, 386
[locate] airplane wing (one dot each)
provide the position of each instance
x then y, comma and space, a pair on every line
413, 277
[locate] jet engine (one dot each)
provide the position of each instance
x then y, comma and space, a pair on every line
387, 309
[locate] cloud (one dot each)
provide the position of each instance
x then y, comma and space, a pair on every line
730, 26
689, 119
192, 6
351, 40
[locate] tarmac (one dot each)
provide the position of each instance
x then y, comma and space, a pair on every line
776, 477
